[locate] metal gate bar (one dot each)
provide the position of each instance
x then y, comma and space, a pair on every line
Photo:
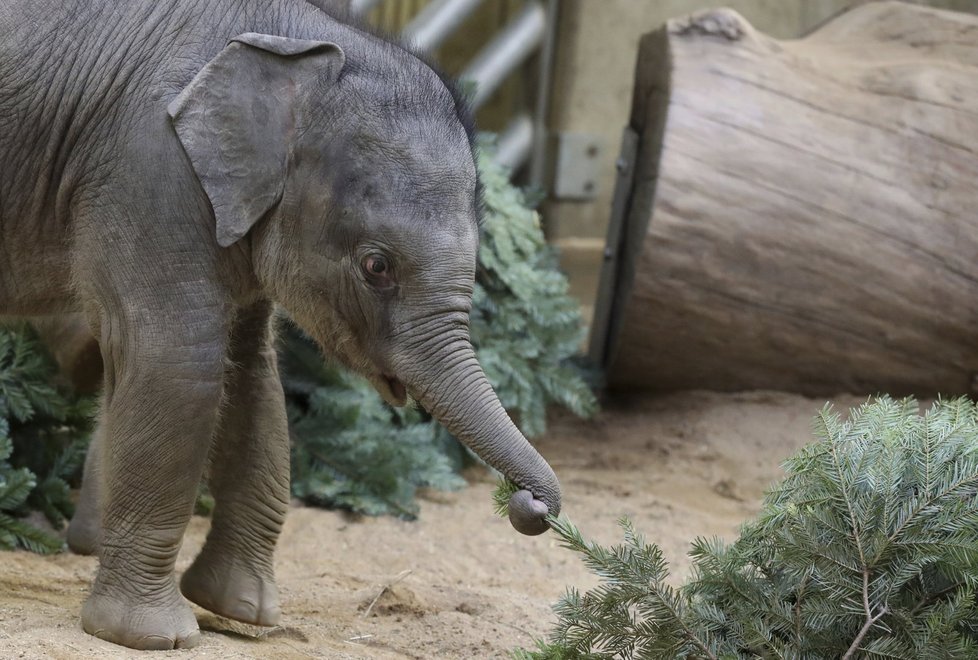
437, 21
529, 32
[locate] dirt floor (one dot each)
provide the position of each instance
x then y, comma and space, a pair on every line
460, 583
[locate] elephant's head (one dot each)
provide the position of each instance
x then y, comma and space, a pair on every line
351, 180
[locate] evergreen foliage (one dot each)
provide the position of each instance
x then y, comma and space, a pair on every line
505, 489
43, 436
351, 450
524, 325
867, 549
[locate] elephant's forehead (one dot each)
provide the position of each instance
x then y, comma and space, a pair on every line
415, 154
427, 231
403, 183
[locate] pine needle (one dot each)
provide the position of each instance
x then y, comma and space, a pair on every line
500, 497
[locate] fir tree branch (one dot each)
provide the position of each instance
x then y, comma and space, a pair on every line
853, 521
800, 594
967, 479
821, 557
870, 619
687, 631
699, 643
500, 497
930, 598
388, 501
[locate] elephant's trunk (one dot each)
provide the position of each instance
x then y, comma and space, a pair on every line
451, 385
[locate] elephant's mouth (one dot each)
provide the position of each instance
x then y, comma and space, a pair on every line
390, 389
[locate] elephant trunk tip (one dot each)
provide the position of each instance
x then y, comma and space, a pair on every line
527, 514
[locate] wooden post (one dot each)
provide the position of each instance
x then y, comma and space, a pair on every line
804, 214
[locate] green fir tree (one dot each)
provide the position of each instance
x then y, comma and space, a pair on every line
43, 436
526, 329
349, 448
867, 549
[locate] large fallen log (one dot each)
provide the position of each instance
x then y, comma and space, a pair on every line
804, 214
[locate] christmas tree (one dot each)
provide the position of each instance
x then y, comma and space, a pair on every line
44, 432
867, 549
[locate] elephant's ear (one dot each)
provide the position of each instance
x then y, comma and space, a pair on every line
236, 120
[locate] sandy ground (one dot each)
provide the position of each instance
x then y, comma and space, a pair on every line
460, 583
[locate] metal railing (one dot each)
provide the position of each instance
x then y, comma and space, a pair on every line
437, 21
360, 7
531, 31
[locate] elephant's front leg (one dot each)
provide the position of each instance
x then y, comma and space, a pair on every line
249, 477
163, 386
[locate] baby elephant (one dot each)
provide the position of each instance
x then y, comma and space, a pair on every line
173, 169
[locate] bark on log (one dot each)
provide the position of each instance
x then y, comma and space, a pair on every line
803, 213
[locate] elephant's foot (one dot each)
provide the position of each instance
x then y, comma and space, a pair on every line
225, 588
159, 622
83, 531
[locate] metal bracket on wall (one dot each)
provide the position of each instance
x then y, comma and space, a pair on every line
576, 167
608, 287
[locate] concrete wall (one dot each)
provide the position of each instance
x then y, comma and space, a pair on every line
598, 42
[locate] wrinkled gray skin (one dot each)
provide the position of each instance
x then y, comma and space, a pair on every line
171, 170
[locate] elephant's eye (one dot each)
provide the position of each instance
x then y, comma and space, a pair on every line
378, 270
377, 264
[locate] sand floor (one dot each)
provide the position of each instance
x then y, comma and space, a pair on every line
459, 582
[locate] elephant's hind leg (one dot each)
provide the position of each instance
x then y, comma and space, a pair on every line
249, 477
83, 531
